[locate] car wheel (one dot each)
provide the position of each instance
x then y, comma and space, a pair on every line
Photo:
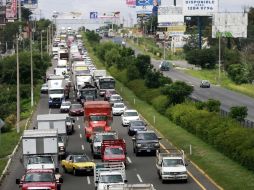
159, 174
129, 133
163, 181
185, 180
134, 150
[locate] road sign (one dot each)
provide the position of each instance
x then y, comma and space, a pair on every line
93, 15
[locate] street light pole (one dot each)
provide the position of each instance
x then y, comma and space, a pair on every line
47, 40
219, 56
18, 93
41, 44
32, 77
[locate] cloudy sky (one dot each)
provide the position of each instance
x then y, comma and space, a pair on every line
86, 6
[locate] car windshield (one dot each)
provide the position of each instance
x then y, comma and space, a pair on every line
147, 136
80, 158
60, 139
44, 85
98, 118
113, 151
100, 138
76, 106
172, 162
117, 178
39, 177
40, 160
57, 91
66, 103
133, 113
118, 105
115, 97
137, 123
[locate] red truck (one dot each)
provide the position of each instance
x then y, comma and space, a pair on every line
98, 117
40, 179
113, 151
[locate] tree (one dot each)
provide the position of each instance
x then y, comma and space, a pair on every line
132, 72
143, 63
238, 112
152, 79
213, 105
238, 73
177, 91
112, 56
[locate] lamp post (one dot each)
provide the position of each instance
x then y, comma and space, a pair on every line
18, 93
31, 62
41, 44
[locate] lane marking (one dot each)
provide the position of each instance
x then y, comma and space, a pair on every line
129, 160
139, 178
82, 147
88, 180
77, 118
80, 136
189, 173
79, 126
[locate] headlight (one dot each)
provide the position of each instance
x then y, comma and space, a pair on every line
156, 144
138, 145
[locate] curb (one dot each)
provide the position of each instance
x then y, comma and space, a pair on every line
13, 152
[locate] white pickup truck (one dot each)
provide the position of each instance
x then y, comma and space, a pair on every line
107, 174
139, 186
171, 165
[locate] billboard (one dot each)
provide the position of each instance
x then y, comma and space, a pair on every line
2, 15
93, 15
110, 15
200, 7
147, 6
168, 16
11, 10
230, 25
131, 3
30, 4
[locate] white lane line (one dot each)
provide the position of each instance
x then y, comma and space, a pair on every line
50, 111
129, 160
79, 126
82, 146
139, 178
80, 136
88, 180
77, 118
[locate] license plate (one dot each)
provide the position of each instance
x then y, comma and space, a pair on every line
148, 150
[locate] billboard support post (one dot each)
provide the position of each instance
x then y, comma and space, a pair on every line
219, 58
199, 32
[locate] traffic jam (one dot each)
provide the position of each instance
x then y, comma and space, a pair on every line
77, 92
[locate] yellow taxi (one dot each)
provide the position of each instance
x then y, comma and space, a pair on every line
78, 163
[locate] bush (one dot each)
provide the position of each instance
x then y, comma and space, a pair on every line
238, 73
213, 105
160, 103
238, 112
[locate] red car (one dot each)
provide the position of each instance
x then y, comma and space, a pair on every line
76, 110
108, 93
41, 179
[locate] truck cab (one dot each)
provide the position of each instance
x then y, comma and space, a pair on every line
171, 166
113, 151
40, 179
40, 162
105, 83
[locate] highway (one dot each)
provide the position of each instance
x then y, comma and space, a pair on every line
139, 169
227, 97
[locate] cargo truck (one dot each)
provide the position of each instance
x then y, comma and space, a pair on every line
87, 93
40, 149
109, 173
57, 122
98, 117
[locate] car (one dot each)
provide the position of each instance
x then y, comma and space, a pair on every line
76, 110
146, 141
129, 115
78, 163
55, 57
114, 98
69, 123
165, 65
118, 108
65, 107
108, 93
136, 125
44, 88
205, 84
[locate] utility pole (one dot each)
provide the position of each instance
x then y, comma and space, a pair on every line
219, 57
31, 62
41, 43
47, 40
18, 94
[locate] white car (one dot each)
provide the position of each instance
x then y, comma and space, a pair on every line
129, 115
118, 108
65, 106
44, 88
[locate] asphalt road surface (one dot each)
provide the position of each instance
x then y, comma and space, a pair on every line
139, 169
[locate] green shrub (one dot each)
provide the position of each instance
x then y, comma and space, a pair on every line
238, 112
160, 103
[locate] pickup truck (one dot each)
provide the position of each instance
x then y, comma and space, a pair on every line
138, 186
113, 151
40, 179
97, 139
171, 165
109, 173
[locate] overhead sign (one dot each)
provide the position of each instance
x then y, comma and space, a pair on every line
93, 15
11, 9
200, 7
230, 25
168, 16
30, 4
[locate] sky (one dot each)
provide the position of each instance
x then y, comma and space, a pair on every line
46, 7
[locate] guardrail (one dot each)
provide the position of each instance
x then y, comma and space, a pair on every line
225, 113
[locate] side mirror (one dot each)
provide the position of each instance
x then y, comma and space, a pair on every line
57, 170
60, 180
133, 138
17, 181
159, 138
125, 181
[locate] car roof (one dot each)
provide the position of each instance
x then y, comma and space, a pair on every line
119, 103
149, 131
